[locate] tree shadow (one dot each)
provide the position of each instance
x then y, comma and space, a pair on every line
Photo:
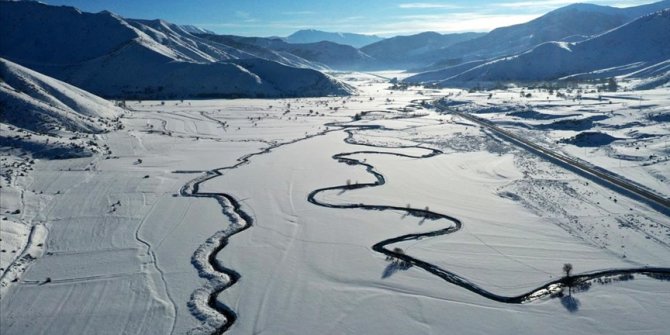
395, 266
570, 303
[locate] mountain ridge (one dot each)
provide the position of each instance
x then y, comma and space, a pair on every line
314, 36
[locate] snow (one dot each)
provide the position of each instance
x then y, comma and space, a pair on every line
340, 203
139, 242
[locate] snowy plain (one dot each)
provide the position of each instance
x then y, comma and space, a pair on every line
119, 253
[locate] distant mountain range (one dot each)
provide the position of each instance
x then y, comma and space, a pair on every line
314, 36
116, 57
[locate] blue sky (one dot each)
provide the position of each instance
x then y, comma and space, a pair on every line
381, 17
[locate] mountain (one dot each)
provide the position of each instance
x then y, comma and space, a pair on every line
327, 54
182, 44
413, 50
570, 23
628, 48
313, 36
114, 57
33, 101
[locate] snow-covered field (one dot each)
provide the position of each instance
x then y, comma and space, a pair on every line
120, 242
623, 132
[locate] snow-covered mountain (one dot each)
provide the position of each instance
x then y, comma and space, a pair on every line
264, 48
33, 101
413, 50
319, 55
313, 36
631, 47
183, 44
125, 58
570, 23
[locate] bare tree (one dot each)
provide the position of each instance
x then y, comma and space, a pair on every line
567, 268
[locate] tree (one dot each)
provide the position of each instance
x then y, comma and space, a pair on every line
612, 85
567, 268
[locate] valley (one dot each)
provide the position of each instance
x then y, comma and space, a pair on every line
211, 203
432, 168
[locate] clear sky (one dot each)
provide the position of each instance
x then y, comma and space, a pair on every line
381, 17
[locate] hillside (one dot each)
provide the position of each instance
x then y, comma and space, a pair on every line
447, 72
333, 55
41, 117
657, 75
263, 48
413, 50
33, 101
123, 58
318, 55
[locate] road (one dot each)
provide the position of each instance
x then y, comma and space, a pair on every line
607, 178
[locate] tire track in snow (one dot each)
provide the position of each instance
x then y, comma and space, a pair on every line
154, 260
